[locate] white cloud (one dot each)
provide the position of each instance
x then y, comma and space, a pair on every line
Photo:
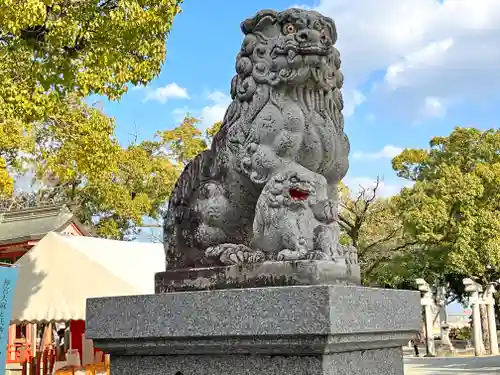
352, 100
384, 189
208, 115
216, 110
387, 152
165, 93
430, 56
445, 49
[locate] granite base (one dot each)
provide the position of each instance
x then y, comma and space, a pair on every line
258, 275
370, 362
318, 329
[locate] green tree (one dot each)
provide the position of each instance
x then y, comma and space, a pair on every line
214, 129
68, 46
371, 224
50, 49
137, 189
185, 141
75, 143
110, 188
453, 207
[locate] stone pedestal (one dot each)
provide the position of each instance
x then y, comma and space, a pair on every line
313, 330
255, 275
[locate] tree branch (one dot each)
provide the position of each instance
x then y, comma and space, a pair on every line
386, 258
383, 239
345, 223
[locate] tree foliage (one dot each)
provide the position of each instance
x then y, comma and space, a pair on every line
91, 46
184, 142
371, 224
214, 129
114, 187
75, 143
53, 49
453, 208
109, 187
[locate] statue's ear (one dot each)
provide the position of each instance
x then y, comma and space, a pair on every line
331, 27
264, 24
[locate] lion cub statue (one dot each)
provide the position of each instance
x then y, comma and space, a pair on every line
294, 219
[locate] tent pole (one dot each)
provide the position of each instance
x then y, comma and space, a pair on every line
33, 334
70, 338
33, 339
67, 342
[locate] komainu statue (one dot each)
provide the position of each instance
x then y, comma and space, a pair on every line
281, 151
294, 217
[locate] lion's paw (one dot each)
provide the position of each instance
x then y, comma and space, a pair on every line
326, 211
230, 254
318, 255
287, 254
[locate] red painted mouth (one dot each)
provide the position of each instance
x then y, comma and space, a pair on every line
298, 195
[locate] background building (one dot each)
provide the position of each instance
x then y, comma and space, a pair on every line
22, 226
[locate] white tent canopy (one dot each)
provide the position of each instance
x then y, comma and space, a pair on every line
61, 272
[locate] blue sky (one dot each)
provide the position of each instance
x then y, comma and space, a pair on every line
413, 69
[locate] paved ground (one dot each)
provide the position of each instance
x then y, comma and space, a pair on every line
451, 366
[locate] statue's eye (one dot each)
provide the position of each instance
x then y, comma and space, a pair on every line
317, 25
289, 28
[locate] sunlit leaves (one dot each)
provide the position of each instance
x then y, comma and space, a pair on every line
145, 175
185, 141
90, 46
6, 182
454, 204
50, 49
140, 186
77, 142
409, 162
110, 187
214, 129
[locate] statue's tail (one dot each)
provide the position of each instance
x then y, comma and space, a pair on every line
178, 211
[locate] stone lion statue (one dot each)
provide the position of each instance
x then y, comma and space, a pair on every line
294, 219
285, 110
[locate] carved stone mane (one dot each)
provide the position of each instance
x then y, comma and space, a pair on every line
270, 59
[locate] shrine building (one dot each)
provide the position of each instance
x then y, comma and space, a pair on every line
20, 229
